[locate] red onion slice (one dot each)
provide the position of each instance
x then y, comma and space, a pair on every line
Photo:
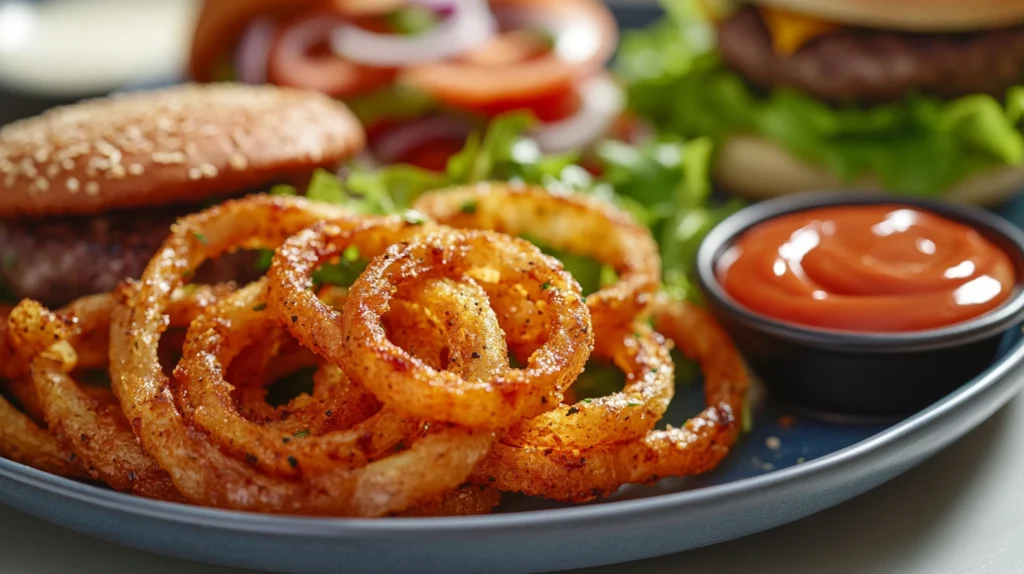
470, 25
397, 142
254, 52
601, 102
575, 41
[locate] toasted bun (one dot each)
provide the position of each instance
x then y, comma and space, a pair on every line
178, 145
221, 24
910, 15
758, 169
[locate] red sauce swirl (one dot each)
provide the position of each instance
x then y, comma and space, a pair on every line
869, 268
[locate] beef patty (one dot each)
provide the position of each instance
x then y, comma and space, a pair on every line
55, 260
871, 66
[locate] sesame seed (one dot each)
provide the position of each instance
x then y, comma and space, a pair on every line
52, 170
773, 442
195, 173
169, 158
92, 188
191, 149
76, 150
116, 172
238, 161
135, 169
208, 170
105, 148
72, 185
41, 183
28, 169
68, 164
42, 155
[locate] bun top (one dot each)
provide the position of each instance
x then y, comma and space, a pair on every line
910, 15
177, 145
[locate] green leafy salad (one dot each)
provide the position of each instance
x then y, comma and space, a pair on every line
919, 144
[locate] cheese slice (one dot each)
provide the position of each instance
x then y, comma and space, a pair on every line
790, 31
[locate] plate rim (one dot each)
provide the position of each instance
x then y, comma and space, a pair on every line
340, 527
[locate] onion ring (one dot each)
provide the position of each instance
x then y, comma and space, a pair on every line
573, 223
23, 439
199, 469
625, 415
213, 341
579, 475
87, 419
468, 500
403, 380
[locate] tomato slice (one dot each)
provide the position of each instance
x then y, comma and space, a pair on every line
511, 69
301, 57
547, 108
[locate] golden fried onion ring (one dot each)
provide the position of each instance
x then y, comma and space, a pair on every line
574, 223
213, 341
400, 379
628, 414
89, 419
198, 468
579, 475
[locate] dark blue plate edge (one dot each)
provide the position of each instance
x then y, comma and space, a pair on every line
994, 381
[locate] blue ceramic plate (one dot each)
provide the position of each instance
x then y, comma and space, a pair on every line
777, 474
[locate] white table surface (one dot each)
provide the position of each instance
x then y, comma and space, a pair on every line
960, 512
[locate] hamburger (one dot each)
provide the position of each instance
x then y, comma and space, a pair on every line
914, 97
88, 191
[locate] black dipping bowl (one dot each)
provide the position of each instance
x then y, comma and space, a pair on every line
860, 374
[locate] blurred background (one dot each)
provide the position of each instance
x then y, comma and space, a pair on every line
58, 51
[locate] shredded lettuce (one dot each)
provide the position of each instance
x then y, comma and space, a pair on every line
918, 145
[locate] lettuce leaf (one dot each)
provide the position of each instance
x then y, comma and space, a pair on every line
918, 145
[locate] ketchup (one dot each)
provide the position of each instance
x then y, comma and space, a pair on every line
867, 268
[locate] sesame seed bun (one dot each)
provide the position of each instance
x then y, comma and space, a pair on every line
178, 145
221, 24
910, 15
756, 168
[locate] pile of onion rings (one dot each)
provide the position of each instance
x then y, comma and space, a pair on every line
443, 374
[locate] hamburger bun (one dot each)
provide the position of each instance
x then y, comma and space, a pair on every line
221, 24
910, 15
756, 168
178, 145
